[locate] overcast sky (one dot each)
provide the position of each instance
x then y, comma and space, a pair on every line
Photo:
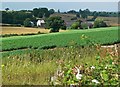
60, 0
63, 6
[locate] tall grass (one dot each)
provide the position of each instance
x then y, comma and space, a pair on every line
37, 66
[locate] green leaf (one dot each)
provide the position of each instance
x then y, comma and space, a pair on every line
98, 57
110, 61
104, 75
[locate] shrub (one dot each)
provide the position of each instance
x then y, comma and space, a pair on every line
54, 30
27, 22
55, 23
75, 25
84, 26
99, 23
63, 27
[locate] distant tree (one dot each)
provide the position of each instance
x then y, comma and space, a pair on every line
75, 25
45, 12
79, 22
40, 15
58, 10
19, 17
7, 9
99, 23
85, 13
7, 17
35, 12
27, 22
95, 15
72, 12
51, 11
84, 26
82, 14
41, 12
80, 11
55, 23
63, 27
78, 15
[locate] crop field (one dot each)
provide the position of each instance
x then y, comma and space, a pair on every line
77, 37
23, 30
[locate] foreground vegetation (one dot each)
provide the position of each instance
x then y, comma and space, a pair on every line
57, 66
76, 58
78, 37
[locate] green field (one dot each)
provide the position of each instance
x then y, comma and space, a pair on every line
99, 36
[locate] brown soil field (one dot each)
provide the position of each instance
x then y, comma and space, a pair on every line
23, 30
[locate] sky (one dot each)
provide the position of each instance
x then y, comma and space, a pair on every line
63, 6
60, 0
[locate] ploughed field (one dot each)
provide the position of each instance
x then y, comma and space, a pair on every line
107, 35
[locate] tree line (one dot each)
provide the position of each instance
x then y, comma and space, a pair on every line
18, 17
85, 13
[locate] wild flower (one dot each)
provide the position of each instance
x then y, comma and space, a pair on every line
78, 75
92, 67
116, 75
95, 81
106, 66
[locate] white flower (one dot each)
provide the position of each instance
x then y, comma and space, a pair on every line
96, 81
106, 66
72, 85
92, 67
79, 76
53, 78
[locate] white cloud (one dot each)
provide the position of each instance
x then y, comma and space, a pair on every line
59, 1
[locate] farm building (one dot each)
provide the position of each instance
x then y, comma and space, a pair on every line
40, 23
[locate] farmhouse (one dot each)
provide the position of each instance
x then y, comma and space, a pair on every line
40, 23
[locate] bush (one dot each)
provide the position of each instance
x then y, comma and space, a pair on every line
84, 26
54, 30
75, 25
55, 23
27, 22
99, 23
63, 27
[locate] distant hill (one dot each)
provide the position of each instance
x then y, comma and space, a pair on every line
66, 17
